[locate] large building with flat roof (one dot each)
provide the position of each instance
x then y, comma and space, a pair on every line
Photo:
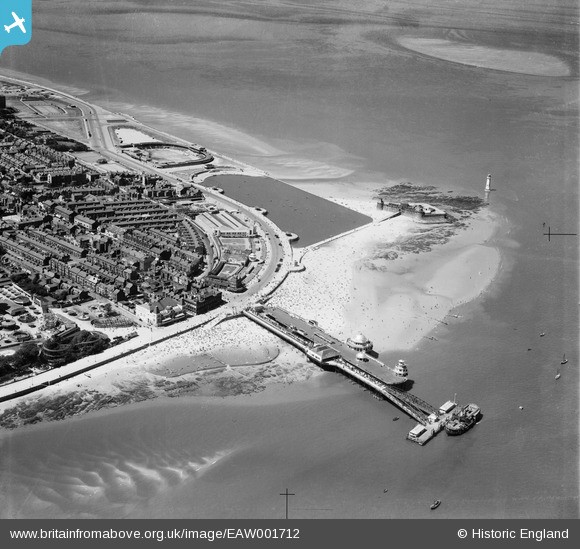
226, 224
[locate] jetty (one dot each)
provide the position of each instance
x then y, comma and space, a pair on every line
351, 360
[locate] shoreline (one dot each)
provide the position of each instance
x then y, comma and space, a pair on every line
421, 284
21, 388
141, 376
358, 288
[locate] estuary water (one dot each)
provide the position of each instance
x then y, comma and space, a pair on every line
315, 92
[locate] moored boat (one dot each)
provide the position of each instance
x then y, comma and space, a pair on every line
463, 420
456, 426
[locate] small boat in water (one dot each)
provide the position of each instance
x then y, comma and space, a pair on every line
542, 334
396, 418
564, 359
558, 375
385, 490
436, 503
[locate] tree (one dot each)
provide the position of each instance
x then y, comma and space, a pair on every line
60, 295
5, 364
26, 356
25, 195
51, 343
18, 277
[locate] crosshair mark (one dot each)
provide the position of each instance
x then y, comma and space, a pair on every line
287, 494
550, 234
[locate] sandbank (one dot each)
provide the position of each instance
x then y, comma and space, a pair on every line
519, 61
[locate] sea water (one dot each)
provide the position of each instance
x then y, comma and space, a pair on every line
317, 92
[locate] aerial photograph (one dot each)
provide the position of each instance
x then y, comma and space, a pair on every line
305, 259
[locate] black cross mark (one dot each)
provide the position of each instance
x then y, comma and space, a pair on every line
287, 494
550, 234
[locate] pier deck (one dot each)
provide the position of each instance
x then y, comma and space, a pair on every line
372, 373
310, 335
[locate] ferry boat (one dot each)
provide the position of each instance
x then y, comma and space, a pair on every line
463, 420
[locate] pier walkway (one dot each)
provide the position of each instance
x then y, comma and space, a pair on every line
328, 352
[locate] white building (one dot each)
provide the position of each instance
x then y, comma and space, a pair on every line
226, 224
360, 343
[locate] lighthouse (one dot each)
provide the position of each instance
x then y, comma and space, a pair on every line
488, 182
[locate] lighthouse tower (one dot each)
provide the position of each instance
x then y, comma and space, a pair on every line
488, 182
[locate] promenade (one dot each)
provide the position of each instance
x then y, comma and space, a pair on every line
279, 256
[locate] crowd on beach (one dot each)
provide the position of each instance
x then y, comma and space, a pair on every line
348, 287
325, 291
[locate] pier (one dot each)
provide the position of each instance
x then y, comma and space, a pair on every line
330, 353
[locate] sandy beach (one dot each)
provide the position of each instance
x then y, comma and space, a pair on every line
370, 280
350, 285
234, 358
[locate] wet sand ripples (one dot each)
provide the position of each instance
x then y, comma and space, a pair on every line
97, 484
